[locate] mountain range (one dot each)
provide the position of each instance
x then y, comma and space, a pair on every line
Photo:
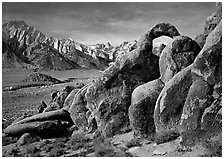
26, 47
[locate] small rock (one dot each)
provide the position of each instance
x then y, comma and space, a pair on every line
132, 149
27, 138
159, 152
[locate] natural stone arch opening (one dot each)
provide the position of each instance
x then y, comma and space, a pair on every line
162, 39
159, 44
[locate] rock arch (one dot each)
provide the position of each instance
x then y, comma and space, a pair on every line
110, 96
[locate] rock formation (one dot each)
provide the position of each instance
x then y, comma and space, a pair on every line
39, 77
108, 98
177, 55
210, 23
179, 92
185, 97
157, 50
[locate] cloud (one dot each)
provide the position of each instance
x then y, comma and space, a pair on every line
107, 22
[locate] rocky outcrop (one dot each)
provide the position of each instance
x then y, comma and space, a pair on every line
27, 138
142, 107
206, 65
181, 103
178, 54
109, 97
39, 77
58, 99
210, 23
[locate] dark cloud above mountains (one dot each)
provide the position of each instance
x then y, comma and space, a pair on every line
92, 23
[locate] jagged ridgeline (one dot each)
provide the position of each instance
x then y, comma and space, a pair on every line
26, 47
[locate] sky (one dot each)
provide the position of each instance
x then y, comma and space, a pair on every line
114, 22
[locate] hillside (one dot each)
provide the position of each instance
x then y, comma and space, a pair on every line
22, 43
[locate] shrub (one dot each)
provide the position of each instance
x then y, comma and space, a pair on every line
133, 143
55, 152
78, 140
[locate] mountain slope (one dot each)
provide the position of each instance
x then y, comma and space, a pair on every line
22, 43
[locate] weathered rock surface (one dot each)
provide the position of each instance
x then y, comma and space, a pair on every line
169, 104
213, 20
27, 138
78, 109
142, 107
109, 97
177, 55
212, 118
210, 23
157, 50
41, 107
45, 129
197, 100
189, 92
58, 99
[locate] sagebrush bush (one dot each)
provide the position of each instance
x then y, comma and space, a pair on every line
55, 152
133, 143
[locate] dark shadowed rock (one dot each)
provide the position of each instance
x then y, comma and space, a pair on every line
208, 62
44, 129
41, 107
198, 99
200, 39
54, 94
58, 99
177, 55
27, 138
69, 99
211, 121
142, 107
170, 102
78, 109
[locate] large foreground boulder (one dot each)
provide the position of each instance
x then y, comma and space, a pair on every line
45, 125
181, 103
44, 129
142, 107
